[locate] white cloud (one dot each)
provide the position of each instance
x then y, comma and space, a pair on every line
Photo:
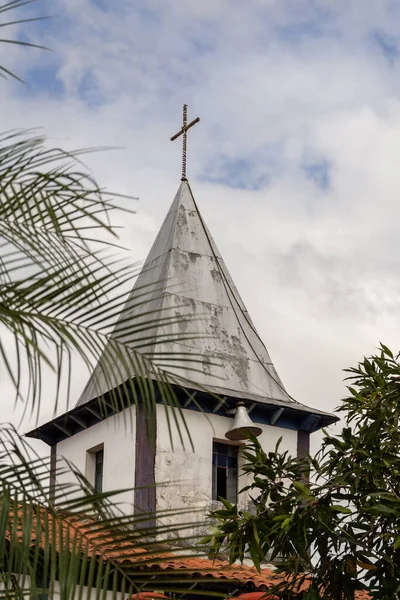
276, 84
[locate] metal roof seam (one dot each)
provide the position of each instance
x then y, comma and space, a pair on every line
231, 293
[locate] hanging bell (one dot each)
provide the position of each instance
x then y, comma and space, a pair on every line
242, 425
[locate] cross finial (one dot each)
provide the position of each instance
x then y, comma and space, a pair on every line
183, 132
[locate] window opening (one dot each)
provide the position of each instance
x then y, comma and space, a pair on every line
98, 472
224, 472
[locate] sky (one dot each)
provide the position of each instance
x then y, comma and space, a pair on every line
294, 165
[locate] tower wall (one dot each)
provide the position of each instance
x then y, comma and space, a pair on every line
186, 473
117, 437
183, 474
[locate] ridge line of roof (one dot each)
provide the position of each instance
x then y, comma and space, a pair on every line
244, 313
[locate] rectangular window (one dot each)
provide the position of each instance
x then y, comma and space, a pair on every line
42, 583
224, 472
98, 471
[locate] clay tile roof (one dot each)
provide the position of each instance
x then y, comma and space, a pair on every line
241, 574
89, 535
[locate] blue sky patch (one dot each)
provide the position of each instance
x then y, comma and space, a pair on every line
319, 173
388, 45
43, 79
239, 173
298, 32
202, 46
39, 66
104, 5
305, 24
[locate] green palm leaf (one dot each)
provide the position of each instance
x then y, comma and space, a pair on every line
4, 8
61, 293
76, 541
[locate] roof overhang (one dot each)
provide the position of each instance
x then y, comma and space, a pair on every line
267, 411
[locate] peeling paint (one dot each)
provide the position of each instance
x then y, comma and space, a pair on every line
189, 302
183, 323
196, 283
188, 475
181, 220
216, 275
241, 367
193, 256
180, 261
234, 363
206, 364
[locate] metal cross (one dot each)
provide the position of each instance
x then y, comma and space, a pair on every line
183, 132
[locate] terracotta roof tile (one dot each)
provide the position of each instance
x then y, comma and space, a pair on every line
91, 537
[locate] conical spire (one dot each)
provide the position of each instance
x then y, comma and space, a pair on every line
185, 277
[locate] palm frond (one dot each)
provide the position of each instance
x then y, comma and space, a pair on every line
75, 541
5, 8
61, 294
59, 281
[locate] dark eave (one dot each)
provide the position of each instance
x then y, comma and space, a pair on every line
292, 416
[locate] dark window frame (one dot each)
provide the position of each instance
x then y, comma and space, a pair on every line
225, 471
98, 470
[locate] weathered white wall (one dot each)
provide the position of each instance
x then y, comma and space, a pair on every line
186, 475
117, 433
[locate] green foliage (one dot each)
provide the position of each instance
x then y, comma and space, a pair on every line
339, 531
65, 544
62, 288
61, 294
11, 5
62, 283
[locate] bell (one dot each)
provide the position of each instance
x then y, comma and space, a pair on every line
242, 425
